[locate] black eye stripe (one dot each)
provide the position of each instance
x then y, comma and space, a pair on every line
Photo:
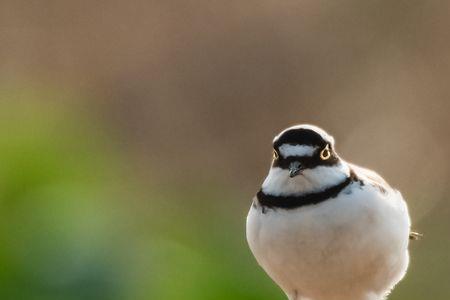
307, 162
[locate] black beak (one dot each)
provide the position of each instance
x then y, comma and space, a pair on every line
295, 168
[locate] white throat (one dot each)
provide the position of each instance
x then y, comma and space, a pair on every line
278, 182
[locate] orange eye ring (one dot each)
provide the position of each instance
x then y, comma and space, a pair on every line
325, 153
275, 154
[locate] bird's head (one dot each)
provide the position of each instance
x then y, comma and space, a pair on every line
304, 160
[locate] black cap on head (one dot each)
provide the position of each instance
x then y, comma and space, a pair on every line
303, 135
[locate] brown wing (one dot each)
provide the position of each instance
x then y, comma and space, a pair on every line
378, 181
370, 175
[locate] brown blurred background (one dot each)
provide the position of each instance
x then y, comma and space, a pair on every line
176, 102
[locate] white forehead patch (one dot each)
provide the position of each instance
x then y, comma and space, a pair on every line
287, 150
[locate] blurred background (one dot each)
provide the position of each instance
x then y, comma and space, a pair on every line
133, 135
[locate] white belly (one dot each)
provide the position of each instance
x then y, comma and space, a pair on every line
352, 247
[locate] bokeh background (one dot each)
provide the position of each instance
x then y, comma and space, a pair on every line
133, 135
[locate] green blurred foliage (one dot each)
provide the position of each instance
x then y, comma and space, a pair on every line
55, 191
73, 225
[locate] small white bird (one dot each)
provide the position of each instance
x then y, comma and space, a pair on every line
325, 229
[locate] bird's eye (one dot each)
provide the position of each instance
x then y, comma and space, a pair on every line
275, 154
325, 153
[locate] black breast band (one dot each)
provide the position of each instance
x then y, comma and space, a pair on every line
290, 202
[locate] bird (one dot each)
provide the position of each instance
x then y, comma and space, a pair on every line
326, 229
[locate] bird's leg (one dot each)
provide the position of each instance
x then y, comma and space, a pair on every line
415, 235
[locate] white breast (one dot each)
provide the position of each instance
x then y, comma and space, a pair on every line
352, 247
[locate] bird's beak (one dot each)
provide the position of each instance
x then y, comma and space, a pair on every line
295, 168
